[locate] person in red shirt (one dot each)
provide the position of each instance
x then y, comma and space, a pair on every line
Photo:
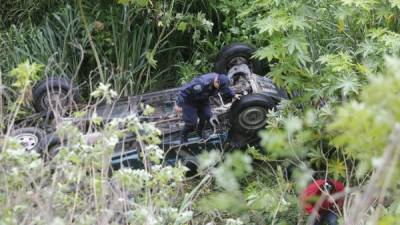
328, 209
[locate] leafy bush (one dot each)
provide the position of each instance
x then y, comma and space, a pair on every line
76, 184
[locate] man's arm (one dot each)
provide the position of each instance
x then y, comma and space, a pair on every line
180, 99
227, 91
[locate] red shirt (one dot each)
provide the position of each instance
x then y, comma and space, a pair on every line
312, 193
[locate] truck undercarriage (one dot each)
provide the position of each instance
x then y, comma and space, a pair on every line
238, 121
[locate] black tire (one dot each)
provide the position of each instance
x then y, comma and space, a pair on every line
53, 144
239, 53
189, 160
250, 113
31, 138
53, 92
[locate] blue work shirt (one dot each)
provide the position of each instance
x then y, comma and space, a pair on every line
202, 88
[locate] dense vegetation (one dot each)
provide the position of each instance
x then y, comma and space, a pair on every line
336, 58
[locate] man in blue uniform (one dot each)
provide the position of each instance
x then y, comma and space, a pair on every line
193, 101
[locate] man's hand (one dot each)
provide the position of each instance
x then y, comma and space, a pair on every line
178, 109
236, 97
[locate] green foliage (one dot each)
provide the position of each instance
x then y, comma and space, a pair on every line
364, 126
329, 56
58, 44
25, 74
138, 3
104, 92
133, 43
77, 178
22, 11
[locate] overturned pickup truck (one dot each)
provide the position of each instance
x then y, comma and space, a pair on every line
238, 121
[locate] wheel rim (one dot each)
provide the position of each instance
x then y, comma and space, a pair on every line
237, 61
54, 99
253, 118
29, 141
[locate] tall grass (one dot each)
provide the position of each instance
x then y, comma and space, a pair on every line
131, 42
134, 38
58, 43
126, 40
24, 11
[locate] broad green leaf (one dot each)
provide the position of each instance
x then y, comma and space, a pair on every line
296, 42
